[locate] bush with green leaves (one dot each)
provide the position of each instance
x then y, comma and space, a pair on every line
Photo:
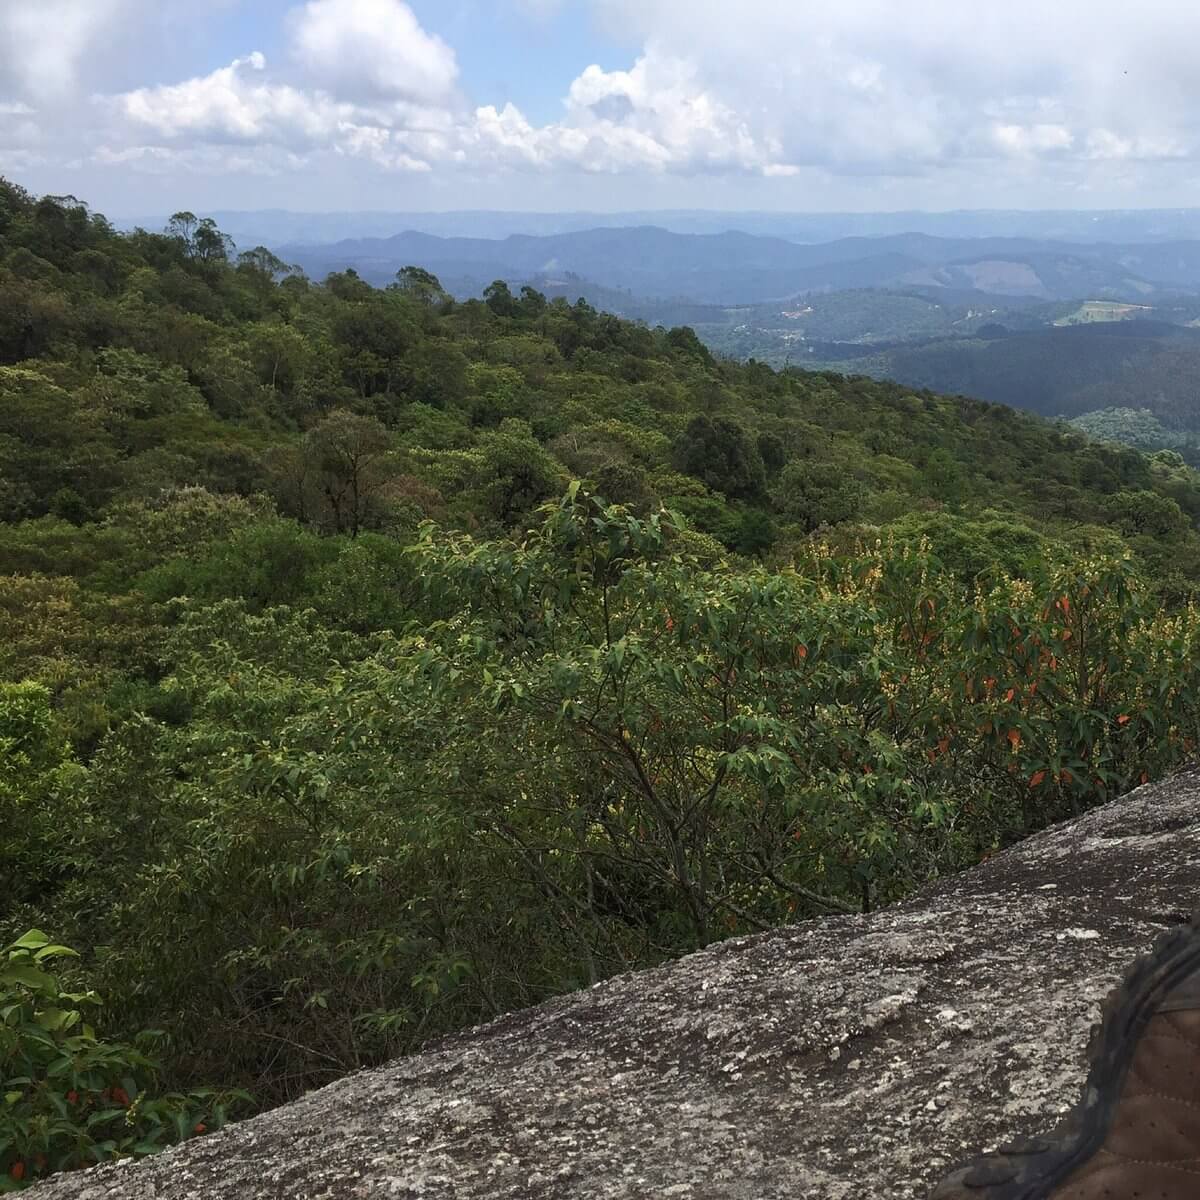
68, 1097
588, 750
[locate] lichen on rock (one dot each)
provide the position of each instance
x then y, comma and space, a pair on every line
840, 1059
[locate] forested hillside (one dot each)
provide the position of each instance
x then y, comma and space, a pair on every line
1056, 371
373, 663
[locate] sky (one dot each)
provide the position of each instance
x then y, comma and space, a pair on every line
146, 106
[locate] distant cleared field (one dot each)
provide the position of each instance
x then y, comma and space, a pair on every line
1103, 310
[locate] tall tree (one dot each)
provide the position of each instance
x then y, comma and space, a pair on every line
349, 455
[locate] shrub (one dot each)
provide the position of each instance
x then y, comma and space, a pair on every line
68, 1098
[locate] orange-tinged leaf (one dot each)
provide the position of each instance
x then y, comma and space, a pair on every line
1036, 778
1014, 738
1011, 693
944, 745
1065, 604
801, 651
1145, 776
1123, 719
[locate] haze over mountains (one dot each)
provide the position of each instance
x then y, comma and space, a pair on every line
739, 268
319, 228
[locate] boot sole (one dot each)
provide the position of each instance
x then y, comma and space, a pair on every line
1125, 1014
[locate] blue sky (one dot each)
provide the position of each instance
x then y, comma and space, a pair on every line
146, 105
526, 54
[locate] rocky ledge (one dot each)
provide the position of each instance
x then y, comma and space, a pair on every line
842, 1059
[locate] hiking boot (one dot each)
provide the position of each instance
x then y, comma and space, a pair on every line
1135, 1134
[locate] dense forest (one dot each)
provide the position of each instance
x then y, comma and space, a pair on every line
1068, 371
373, 663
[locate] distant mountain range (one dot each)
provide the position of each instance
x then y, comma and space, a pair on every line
739, 268
273, 227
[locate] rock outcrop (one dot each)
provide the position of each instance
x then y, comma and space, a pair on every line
842, 1059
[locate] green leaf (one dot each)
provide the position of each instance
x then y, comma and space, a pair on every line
55, 952
29, 977
35, 939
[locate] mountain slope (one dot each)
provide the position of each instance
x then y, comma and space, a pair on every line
1057, 371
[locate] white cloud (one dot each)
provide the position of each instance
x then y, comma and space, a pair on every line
654, 117
199, 160
234, 103
1079, 91
1033, 139
873, 86
44, 44
371, 49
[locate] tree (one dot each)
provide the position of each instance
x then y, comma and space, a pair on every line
182, 227
348, 454
33, 756
719, 451
1145, 512
517, 473
499, 298
532, 303
683, 340
209, 244
263, 262
818, 493
421, 285
944, 478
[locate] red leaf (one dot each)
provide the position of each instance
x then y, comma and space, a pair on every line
1036, 778
1123, 719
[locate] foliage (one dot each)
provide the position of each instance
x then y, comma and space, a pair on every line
374, 663
69, 1098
